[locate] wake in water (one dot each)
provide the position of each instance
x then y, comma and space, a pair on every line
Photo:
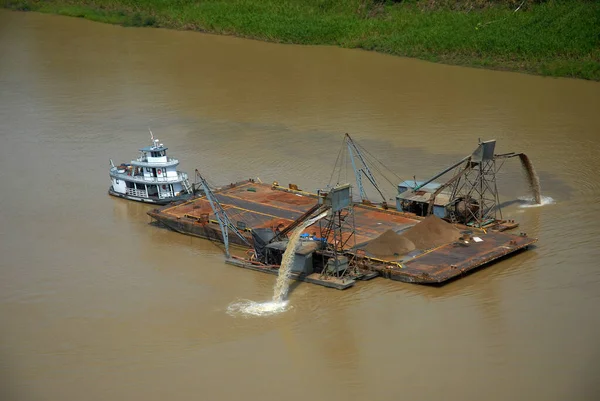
531, 202
282, 285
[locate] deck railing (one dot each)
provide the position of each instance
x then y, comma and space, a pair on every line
145, 160
141, 193
137, 192
150, 180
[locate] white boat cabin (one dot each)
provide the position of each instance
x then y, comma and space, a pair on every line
151, 177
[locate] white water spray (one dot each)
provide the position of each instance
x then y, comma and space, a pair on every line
249, 308
531, 202
282, 285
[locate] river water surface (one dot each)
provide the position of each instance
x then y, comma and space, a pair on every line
97, 304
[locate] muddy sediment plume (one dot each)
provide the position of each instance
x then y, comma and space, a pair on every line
431, 232
388, 244
532, 178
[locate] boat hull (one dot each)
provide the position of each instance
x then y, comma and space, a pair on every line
153, 201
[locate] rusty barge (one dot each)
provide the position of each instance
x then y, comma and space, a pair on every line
431, 237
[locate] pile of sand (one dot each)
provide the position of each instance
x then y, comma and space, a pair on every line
389, 243
429, 233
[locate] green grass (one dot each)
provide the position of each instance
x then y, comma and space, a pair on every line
555, 38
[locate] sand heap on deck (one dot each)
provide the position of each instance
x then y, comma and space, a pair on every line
388, 244
430, 233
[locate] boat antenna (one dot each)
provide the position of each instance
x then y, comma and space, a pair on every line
151, 135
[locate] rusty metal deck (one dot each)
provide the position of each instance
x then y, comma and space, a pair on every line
259, 205
254, 204
453, 260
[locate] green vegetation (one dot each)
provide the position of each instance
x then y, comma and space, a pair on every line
557, 38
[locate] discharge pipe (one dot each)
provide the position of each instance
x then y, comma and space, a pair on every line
435, 177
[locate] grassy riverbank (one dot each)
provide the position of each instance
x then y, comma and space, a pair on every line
556, 38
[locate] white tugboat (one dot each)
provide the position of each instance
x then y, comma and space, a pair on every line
152, 178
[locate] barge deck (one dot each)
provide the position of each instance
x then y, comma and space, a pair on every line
252, 205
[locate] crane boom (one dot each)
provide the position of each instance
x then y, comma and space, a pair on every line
220, 214
358, 172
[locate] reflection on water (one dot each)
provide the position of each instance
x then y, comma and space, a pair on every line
100, 304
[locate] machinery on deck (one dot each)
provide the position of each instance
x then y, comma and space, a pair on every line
339, 230
333, 211
470, 196
335, 234
321, 256
269, 245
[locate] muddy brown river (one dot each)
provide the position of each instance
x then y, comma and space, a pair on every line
98, 304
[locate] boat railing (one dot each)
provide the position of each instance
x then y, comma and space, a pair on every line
165, 194
167, 179
137, 192
141, 193
145, 160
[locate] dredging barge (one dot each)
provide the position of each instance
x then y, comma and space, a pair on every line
432, 236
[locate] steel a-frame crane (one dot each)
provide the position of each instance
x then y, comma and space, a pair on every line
220, 214
363, 170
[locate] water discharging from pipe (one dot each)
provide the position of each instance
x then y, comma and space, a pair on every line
532, 178
282, 285
283, 279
